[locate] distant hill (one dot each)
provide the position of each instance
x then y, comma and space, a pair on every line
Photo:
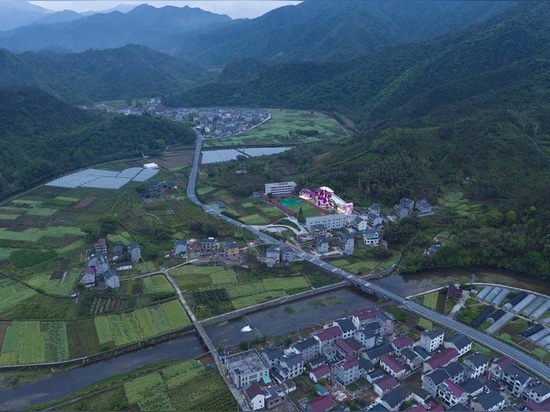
468, 108
145, 25
313, 30
14, 13
332, 30
43, 137
128, 72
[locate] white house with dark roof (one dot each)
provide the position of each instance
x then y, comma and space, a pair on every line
375, 353
432, 339
538, 393
369, 335
371, 237
473, 386
423, 207
360, 223
491, 401
431, 380
411, 359
346, 243
476, 365
460, 342
346, 326
517, 379
374, 221
272, 356
374, 208
451, 393
309, 348
496, 369
287, 254
111, 279
294, 363
404, 208
455, 371
321, 244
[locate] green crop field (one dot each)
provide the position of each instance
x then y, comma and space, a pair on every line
13, 293
23, 343
285, 283
143, 323
10, 216
56, 345
157, 284
254, 220
43, 282
41, 211
430, 300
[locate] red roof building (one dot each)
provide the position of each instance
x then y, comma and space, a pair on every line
443, 358
320, 404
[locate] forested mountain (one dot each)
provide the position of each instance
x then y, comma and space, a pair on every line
313, 30
467, 108
145, 25
332, 30
128, 72
42, 137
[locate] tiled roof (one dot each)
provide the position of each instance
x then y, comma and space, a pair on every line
329, 333
442, 358
518, 374
342, 344
460, 341
392, 363
321, 371
402, 342
456, 390
320, 404
387, 383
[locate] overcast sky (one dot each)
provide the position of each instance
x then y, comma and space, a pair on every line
233, 8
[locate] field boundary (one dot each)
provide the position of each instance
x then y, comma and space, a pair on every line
96, 357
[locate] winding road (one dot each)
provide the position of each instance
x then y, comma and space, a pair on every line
528, 362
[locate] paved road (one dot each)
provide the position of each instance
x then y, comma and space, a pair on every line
521, 358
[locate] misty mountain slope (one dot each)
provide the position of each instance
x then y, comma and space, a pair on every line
144, 25
128, 72
333, 30
313, 30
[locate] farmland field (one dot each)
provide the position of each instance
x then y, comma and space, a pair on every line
284, 128
13, 293
118, 330
23, 343
157, 284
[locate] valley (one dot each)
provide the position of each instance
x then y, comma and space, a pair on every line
335, 205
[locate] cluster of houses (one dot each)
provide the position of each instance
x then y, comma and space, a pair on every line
364, 345
99, 271
210, 246
406, 206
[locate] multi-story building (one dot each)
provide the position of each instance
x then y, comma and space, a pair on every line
279, 188
327, 336
347, 370
491, 401
460, 342
476, 365
321, 244
516, 378
331, 222
272, 356
371, 237
443, 358
451, 393
231, 249
347, 243
432, 339
392, 366
309, 348
210, 245
254, 394
538, 393
246, 367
